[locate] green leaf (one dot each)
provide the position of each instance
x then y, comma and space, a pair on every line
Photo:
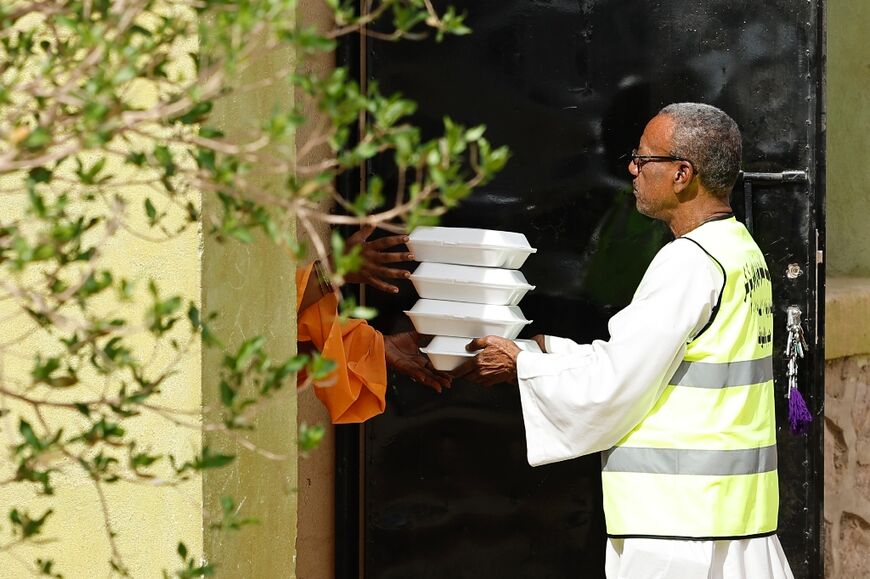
45, 567
102, 431
310, 436
125, 74
366, 150
164, 157
94, 284
242, 234
230, 520
150, 211
205, 159
395, 110
161, 316
280, 374
193, 316
29, 435
296, 363
25, 526
38, 138
209, 338
247, 351
363, 313
95, 113
406, 18
210, 459
227, 505
228, 394
210, 133
37, 203
197, 113
39, 175
136, 29
141, 460
372, 198
89, 176
320, 367
309, 40
43, 373
452, 23
125, 290
137, 159
337, 243
475, 133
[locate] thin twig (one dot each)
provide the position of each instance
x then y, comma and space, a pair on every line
110, 532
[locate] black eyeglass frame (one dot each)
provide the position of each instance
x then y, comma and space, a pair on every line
641, 160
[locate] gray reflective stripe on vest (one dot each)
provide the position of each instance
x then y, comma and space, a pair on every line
689, 461
712, 375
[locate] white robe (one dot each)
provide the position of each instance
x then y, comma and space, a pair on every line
582, 398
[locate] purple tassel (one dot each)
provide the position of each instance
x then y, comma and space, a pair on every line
799, 417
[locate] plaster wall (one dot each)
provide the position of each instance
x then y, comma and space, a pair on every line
149, 521
316, 499
848, 140
847, 315
847, 429
252, 286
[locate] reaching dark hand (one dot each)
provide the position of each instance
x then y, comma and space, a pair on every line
374, 255
404, 356
496, 362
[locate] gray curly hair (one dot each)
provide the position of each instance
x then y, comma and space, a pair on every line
710, 139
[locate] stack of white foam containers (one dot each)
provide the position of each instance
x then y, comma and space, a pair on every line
469, 284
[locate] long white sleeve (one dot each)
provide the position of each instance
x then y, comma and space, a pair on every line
580, 399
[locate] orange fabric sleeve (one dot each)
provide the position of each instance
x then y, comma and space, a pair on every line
356, 390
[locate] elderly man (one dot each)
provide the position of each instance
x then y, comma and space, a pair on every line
679, 400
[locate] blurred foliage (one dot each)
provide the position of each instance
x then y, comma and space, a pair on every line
106, 130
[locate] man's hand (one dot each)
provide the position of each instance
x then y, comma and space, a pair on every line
404, 356
541, 341
496, 362
374, 255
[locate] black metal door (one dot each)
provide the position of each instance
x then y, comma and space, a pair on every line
569, 85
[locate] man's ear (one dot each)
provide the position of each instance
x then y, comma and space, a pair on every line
683, 175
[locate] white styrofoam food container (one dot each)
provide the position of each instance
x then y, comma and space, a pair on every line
447, 353
470, 246
443, 318
465, 283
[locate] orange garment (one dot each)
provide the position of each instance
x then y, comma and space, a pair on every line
356, 390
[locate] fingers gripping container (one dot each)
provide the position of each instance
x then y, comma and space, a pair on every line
467, 320
470, 287
481, 285
469, 246
447, 353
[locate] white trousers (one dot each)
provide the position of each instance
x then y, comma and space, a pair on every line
759, 558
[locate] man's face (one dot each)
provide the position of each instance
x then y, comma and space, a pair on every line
653, 182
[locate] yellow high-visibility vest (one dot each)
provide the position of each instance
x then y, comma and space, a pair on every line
702, 463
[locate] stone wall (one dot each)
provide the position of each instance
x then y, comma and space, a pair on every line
847, 429
847, 467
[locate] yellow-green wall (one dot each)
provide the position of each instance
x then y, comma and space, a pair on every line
149, 521
253, 289
848, 136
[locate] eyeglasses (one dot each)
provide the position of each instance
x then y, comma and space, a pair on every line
641, 160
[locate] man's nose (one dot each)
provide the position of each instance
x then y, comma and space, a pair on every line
632, 168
